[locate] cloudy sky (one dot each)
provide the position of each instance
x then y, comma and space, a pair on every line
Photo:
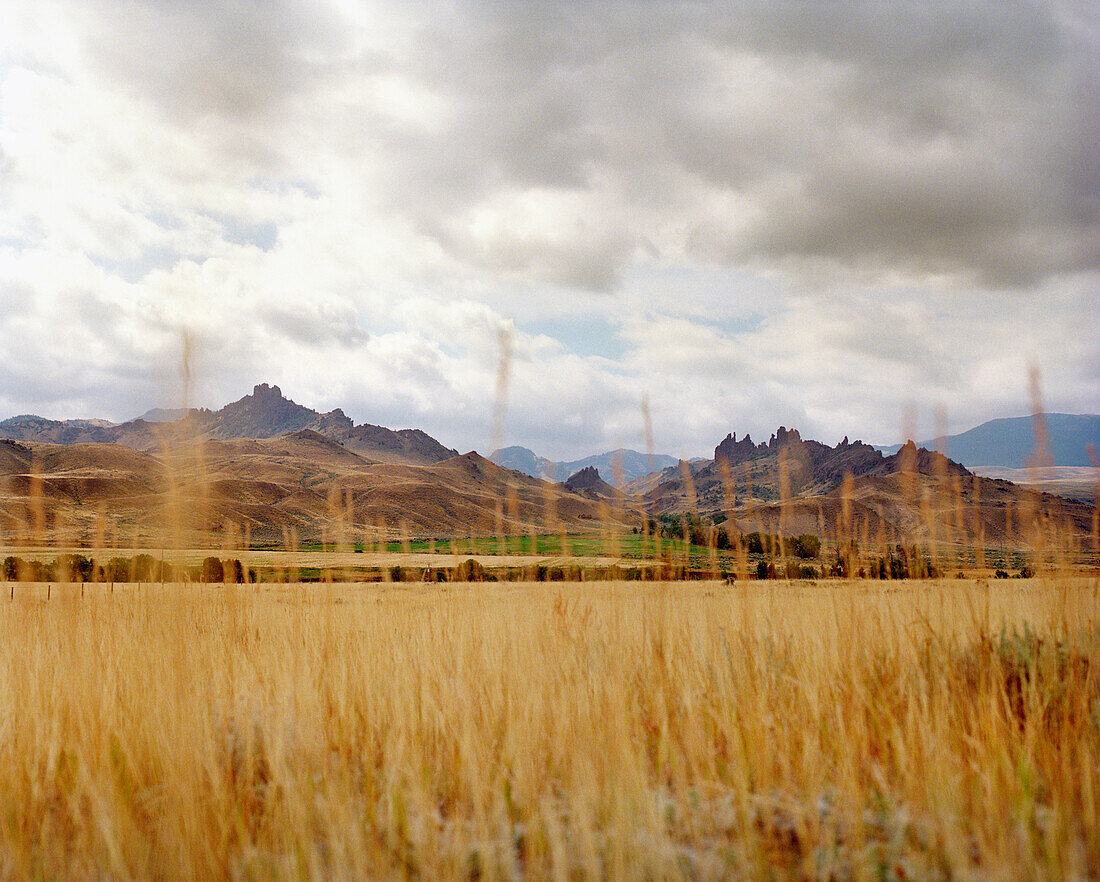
846, 217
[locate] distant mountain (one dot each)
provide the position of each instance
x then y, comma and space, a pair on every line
1010, 442
630, 464
527, 462
163, 415
30, 427
265, 413
381, 481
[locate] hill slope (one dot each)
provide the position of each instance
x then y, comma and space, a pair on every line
221, 491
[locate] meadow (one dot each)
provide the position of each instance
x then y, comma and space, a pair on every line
839, 729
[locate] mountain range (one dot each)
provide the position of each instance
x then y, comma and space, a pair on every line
789, 485
617, 467
264, 464
265, 413
784, 467
1007, 443
1012, 443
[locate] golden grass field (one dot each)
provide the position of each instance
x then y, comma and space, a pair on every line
828, 730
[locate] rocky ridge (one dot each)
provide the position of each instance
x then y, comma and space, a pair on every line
265, 413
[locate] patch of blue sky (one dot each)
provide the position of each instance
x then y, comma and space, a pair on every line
14, 243
157, 258
733, 325
731, 300
165, 219
581, 334
262, 235
284, 187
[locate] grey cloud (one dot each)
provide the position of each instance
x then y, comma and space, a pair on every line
315, 324
587, 256
905, 38
927, 138
240, 61
931, 138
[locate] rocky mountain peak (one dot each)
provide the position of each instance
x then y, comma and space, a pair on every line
585, 475
587, 482
784, 436
733, 452
264, 392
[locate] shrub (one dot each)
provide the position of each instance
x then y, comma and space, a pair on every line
1038, 679
117, 569
212, 570
143, 568
807, 546
74, 567
470, 571
762, 569
18, 570
233, 571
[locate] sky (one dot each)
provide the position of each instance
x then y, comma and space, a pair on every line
867, 218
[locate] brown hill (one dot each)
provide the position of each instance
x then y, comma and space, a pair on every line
14, 457
263, 414
387, 445
885, 509
216, 492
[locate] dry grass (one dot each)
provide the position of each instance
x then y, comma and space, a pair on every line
839, 730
